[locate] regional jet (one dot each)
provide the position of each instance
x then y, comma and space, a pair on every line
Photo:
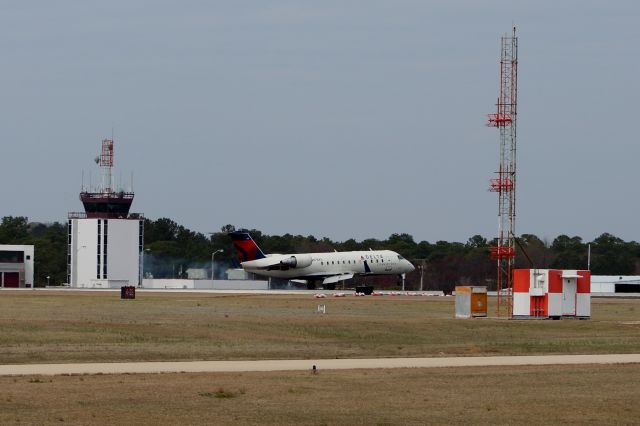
311, 268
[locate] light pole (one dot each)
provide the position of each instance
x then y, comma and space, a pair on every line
212, 256
421, 267
48, 280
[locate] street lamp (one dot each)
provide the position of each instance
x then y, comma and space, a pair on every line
212, 256
421, 267
48, 280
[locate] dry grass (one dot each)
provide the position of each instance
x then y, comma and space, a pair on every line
587, 394
46, 327
89, 326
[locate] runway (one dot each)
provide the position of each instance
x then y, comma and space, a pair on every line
301, 365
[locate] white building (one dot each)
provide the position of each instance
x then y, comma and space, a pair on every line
237, 274
197, 273
104, 253
609, 284
16, 266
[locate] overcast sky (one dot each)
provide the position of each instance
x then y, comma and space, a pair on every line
334, 118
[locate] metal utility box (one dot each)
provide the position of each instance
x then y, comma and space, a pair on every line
127, 292
471, 301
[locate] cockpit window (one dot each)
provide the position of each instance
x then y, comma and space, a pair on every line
400, 257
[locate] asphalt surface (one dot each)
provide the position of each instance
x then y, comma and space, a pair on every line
298, 364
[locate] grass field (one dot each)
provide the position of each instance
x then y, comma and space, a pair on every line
48, 327
586, 395
68, 326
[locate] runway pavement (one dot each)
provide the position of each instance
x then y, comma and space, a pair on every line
298, 364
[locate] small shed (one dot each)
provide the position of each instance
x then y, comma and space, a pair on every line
471, 301
551, 293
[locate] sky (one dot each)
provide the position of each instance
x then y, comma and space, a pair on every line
334, 118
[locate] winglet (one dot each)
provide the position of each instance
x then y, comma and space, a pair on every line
246, 248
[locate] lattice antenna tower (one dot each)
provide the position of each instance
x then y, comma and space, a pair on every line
505, 182
105, 161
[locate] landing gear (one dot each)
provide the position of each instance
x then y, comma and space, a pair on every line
364, 289
402, 277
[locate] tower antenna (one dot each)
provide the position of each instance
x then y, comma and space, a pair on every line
505, 183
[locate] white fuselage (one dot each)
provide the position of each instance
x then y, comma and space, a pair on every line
318, 265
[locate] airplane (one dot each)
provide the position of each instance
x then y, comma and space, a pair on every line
311, 268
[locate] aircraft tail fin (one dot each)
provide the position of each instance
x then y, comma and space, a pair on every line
246, 248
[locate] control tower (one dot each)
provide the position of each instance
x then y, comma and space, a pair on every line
105, 242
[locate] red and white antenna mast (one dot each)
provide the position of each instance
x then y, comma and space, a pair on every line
106, 165
505, 183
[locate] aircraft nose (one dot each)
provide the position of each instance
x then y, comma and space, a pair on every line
410, 267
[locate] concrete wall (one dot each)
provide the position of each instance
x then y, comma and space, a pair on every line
124, 257
103, 284
205, 284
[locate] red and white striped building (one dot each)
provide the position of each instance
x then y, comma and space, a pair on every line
551, 293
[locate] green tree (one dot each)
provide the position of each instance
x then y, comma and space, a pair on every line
163, 229
611, 256
569, 252
477, 241
50, 258
537, 250
401, 243
14, 230
227, 228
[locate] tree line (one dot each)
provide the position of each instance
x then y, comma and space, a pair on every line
170, 249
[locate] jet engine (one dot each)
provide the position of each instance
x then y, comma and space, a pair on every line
297, 261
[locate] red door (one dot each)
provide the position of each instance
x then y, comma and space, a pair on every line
12, 279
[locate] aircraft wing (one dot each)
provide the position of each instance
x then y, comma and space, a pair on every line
327, 279
337, 278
